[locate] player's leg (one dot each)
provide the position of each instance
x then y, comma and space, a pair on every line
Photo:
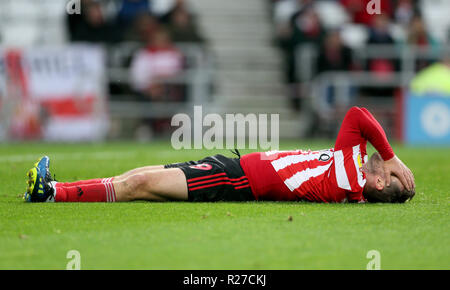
156, 185
116, 178
214, 178
137, 171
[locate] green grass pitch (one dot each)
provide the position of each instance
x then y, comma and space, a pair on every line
178, 235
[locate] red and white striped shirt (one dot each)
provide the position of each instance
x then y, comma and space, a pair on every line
322, 176
331, 175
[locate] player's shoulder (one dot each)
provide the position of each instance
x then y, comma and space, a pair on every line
353, 149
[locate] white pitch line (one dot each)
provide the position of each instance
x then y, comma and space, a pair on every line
67, 156
161, 154
90, 155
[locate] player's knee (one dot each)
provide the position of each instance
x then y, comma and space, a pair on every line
136, 184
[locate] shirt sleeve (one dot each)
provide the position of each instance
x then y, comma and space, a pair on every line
360, 126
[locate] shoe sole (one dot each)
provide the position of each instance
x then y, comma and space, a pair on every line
32, 176
31, 183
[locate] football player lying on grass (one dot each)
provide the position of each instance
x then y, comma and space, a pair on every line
340, 174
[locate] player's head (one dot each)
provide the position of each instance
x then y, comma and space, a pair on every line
376, 190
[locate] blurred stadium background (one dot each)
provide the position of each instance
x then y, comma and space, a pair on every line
120, 69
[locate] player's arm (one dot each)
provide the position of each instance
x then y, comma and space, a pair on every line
394, 165
360, 125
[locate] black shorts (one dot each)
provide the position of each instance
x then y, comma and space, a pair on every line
215, 178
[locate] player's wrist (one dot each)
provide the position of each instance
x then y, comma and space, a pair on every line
388, 156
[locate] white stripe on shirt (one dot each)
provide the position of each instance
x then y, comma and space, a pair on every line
341, 174
297, 179
356, 153
288, 160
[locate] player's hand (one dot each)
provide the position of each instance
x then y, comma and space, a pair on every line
396, 167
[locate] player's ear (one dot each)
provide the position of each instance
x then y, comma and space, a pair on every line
379, 183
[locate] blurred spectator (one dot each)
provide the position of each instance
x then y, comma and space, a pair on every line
304, 28
143, 28
182, 25
92, 25
334, 55
379, 31
151, 70
404, 12
155, 64
418, 36
380, 34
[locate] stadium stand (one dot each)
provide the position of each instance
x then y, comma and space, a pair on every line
365, 58
231, 59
